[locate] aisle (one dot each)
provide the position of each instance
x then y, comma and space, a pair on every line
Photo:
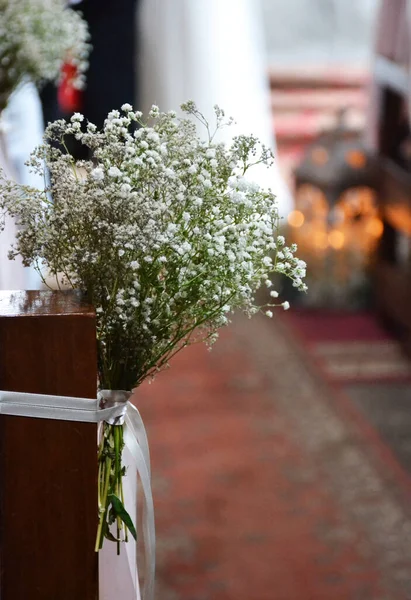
365, 363
264, 489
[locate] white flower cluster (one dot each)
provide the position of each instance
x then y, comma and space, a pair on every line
162, 231
35, 38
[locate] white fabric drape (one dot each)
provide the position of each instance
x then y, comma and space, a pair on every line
212, 52
22, 131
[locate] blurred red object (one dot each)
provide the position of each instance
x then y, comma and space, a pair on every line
70, 99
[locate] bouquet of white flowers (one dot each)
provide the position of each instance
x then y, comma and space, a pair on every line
163, 233
36, 36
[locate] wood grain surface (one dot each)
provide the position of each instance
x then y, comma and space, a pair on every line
48, 469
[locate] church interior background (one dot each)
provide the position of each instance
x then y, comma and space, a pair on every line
327, 465
282, 459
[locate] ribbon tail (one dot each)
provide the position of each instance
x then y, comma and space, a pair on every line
135, 439
135, 423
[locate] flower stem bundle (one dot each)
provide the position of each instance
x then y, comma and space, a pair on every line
110, 489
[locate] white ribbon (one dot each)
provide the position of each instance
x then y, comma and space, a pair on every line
85, 410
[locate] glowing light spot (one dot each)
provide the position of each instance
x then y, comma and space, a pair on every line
319, 155
336, 239
375, 227
295, 218
356, 159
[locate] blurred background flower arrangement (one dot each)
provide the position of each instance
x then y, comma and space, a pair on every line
36, 38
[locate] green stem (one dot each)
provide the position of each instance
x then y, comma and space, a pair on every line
117, 447
122, 500
100, 475
99, 540
121, 485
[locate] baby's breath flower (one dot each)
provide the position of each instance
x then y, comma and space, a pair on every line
114, 172
154, 112
97, 174
176, 238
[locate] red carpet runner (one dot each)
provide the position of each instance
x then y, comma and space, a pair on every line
264, 491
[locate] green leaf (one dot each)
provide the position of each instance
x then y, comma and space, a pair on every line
111, 516
108, 535
120, 511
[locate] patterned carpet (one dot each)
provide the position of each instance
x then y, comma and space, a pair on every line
349, 347
268, 485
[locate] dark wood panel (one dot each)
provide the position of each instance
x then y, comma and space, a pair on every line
393, 294
394, 185
48, 470
395, 291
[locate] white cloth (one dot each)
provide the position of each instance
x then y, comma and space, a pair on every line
212, 52
22, 131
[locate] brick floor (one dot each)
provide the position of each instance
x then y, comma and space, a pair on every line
263, 489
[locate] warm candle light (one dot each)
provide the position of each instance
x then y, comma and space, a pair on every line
296, 218
375, 227
356, 159
398, 217
320, 155
336, 239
